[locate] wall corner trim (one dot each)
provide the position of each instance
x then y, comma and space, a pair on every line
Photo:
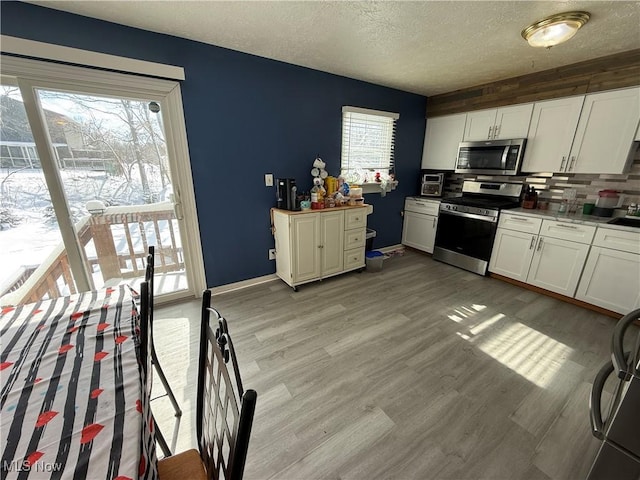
59, 53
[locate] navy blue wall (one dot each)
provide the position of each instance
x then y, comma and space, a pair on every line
247, 116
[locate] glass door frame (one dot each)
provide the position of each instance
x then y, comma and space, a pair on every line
36, 74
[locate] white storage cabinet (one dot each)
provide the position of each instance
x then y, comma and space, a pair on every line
441, 140
514, 245
604, 136
319, 244
546, 253
355, 227
560, 253
420, 223
498, 123
611, 277
553, 126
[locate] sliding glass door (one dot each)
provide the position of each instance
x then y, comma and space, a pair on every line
94, 188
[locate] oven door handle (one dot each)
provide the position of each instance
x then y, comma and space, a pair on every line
617, 340
469, 215
595, 400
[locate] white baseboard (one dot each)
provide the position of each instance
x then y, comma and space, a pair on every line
230, 287
391, 248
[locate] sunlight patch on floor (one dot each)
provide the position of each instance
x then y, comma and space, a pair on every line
526, 351
534, 355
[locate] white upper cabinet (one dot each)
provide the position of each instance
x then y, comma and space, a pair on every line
480, 125
553, 126
441, 140
498, 123
605, 132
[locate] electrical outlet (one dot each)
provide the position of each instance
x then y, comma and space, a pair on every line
272, 254
268, 179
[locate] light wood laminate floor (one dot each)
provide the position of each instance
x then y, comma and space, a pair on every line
420, 371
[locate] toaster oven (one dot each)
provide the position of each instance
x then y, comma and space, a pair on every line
431, 184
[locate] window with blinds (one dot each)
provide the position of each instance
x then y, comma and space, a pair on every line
367, 141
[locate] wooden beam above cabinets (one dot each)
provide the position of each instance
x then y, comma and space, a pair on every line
606, 73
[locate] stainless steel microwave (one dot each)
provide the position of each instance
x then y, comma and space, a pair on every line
491, 157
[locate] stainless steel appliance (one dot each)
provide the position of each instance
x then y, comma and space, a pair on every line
619, 454
491, 157
287, 194
431, 184
467, 224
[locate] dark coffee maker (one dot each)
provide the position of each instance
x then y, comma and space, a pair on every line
287, 194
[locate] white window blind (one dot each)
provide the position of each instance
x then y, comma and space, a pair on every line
367, 140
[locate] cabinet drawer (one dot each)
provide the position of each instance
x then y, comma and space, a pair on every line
354, 258
520, 223
354, 238
568, 231
617, 240
428, 207
355, 218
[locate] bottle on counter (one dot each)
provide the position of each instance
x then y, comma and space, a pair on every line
564, 206
528, 199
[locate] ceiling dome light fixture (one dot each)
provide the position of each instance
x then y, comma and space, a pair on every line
554, 29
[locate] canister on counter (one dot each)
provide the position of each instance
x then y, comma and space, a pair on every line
331, 184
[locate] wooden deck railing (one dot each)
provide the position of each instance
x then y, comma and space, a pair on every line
120, 241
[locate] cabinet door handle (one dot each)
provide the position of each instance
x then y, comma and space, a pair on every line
434, 222
496, 131
573, 159
564, 159
533, 241
519, 219
539, 245
573, 227
489, 136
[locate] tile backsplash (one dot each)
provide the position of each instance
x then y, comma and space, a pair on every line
550, 186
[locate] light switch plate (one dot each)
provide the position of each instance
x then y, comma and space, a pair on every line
268, 179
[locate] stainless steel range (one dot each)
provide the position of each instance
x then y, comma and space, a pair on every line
467, 224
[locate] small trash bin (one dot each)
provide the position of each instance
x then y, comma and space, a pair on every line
374, 261
369, 239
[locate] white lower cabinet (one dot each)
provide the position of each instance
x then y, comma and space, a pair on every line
512, 253
419, 231
314, 245
303, 253
557, 264
331, 243
420, 223
611, 277
600, 266
545, 253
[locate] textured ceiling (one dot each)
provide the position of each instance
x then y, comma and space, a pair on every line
425, 47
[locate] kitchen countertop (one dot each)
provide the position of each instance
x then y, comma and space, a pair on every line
578, 218
327, 209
